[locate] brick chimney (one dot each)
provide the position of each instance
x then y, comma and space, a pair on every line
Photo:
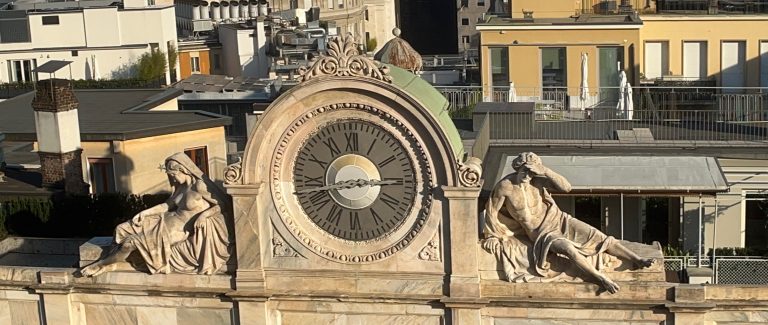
58, 136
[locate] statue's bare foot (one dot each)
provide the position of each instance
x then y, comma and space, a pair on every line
96, 269
644, 262
609, 285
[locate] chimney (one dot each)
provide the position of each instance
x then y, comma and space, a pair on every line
58, 136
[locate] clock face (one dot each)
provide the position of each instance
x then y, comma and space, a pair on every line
355, 180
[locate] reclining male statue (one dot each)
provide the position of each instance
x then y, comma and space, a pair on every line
523, 225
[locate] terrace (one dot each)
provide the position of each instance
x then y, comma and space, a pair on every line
704, 7
697, 116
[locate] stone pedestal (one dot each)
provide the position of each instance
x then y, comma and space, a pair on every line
95, 249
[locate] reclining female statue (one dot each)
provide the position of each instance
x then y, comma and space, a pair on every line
186, 234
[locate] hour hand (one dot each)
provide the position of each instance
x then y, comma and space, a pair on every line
352, 183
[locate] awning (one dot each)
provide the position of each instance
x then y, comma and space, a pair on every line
51, 66
678, 175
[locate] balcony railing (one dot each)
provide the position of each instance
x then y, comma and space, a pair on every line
680, 114
604, 7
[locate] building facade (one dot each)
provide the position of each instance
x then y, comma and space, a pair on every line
103, 41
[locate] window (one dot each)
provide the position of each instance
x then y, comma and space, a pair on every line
102, 175
21, 70
341, 4
75, 53
553, 67
50, 20
464, 21
499, 66
366, 15
695, 60
195, 64
481, 3
656, 59
756, 219
464, 3
216, 61
200, 157
330, 4
465, 39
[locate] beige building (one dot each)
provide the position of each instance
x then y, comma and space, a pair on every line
569, 56
124, 136
103, 40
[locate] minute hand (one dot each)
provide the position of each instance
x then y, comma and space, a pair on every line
352, 183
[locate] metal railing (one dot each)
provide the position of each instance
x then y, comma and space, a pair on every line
609, 7
742, 270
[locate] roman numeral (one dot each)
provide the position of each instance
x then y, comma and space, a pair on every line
332, 146
390, 201
318, 161
319, 200
335, 215
387, 161
354, 221
313, 181
368, 153
352, 143
376, 218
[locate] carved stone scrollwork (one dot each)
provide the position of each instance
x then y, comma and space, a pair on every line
431, 252
234, 172
343, 59
470, 172
280, 248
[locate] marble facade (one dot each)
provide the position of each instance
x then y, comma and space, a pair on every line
430, 270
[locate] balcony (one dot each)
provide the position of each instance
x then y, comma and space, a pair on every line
689, 114
696, 7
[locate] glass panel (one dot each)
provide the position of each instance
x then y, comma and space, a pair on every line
609, 72
553, 67
499, 66
102, 175
587, 209
756, 211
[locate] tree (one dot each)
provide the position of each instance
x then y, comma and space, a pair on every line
371, 44
173, 55
152, 65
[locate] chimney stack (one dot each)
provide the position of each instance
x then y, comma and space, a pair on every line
58, 136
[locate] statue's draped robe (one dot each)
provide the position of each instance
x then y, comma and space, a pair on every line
205, 251
527, 259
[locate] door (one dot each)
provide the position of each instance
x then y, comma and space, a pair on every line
695, 60
608, 73
733, 56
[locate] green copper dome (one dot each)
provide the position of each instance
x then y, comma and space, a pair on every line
431, 99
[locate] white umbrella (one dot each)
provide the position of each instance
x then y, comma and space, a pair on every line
622, 87
512, 96
94, 68
584, 88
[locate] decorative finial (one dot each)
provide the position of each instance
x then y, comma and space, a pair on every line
396, 32
344, 59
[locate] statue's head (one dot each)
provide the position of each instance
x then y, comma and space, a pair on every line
525, 158
181, 169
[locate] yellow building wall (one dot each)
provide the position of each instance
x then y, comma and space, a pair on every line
713, 30
137, 162
525, 57
544, 9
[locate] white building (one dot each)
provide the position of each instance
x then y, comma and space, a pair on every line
103, 41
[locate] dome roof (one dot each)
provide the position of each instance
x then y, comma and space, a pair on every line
399, 53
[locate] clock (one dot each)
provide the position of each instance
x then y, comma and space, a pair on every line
355, 180
352, 182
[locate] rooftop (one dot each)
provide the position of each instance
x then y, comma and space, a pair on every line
584, 19
106, 115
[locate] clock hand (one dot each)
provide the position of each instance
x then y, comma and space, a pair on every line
352, 183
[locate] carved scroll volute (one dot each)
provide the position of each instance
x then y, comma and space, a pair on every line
471, 172
233, 174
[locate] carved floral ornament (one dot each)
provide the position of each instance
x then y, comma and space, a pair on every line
344, 60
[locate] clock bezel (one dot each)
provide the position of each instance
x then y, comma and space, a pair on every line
313, 236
